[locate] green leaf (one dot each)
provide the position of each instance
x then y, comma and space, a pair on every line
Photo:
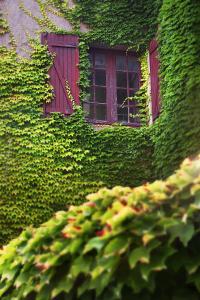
80, 265
183, 231
45, 293
117, 246
95, 243
157, 262
64, 285
105, 264
140, 254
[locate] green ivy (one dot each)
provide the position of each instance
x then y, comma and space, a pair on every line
129, 23
47, 163
4, 28
177, 132
103, 26
122, 244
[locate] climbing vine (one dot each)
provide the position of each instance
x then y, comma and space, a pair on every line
104, 27
177, 132
47, 163
4, 28
55, 157
149, 233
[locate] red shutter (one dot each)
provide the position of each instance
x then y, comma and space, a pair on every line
65, 68
154, 78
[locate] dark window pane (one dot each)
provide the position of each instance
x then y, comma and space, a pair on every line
91, 59
89, 109
121, 96
134, 111
100, 60
122, 113
91, 95
101, 112
121, 79
133, 80
120, 62
131, 93
100, 77
133, 64
91, 77
100, 95
86, 108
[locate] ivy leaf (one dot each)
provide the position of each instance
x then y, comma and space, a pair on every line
64, 285
117, 246
183, 231
157, 263
94, 243
105, 264
45, 293
80, 265
140, 254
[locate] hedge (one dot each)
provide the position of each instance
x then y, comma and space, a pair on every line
124, 243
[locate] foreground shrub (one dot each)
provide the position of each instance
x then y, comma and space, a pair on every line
124, 243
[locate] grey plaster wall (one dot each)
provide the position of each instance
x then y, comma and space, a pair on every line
22, 26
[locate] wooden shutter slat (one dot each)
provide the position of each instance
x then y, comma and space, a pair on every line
64, 69
153, 46
154, 78
62, 45
62, 81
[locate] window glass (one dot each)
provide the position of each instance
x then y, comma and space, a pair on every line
91, 59
101, 112
91, 77
100, 77
133, 114
121, 96
100, 94
122, 114
100, 60
91, 111
133, 64
90, 97
133, 80
121, 79
114, 77
121, 62
131, 93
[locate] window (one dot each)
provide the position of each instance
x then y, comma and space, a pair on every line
115, 76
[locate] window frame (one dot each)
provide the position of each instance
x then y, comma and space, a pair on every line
111, 83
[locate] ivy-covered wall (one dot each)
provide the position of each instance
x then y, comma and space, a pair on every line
47, 163
177, 132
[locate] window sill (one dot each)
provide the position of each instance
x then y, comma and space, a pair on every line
106, 123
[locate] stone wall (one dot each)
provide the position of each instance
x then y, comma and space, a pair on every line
22, 26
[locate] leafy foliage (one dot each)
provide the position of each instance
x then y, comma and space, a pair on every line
129, 23
122, 244
4, 28
177, 132
47, 163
